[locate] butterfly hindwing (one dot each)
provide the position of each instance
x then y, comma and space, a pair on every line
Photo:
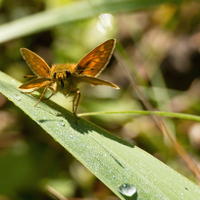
96, 81
36, 83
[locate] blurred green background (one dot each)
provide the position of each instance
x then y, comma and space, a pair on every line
160, 45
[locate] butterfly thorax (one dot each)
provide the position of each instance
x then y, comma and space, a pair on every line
64, 77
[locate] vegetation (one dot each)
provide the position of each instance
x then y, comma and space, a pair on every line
156, 65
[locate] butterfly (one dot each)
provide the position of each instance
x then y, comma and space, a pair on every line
65, 78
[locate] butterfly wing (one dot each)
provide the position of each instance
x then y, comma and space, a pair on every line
35, 62
95, 81
96, 60
36, 83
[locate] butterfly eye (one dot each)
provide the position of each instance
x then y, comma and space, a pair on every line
54, 75
68, 74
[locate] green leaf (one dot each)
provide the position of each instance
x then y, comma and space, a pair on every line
70, 13
118, 164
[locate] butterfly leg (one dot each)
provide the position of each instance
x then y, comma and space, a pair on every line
42, 95
75, 103
48, 97
46, 86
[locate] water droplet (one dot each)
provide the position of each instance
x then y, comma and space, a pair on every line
71, 136
62, 123
17, 97
127, 190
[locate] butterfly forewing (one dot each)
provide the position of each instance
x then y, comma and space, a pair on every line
35, 62
96, 60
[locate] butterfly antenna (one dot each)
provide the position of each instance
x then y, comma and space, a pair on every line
29, 76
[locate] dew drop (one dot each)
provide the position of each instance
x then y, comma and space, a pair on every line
71, 136
17, 97
62, 123
127, 190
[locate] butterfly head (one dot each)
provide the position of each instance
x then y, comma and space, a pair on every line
60, 73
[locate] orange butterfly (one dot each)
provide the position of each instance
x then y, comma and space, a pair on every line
66, 77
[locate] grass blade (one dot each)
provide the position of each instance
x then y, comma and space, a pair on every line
114, 161
76, 11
